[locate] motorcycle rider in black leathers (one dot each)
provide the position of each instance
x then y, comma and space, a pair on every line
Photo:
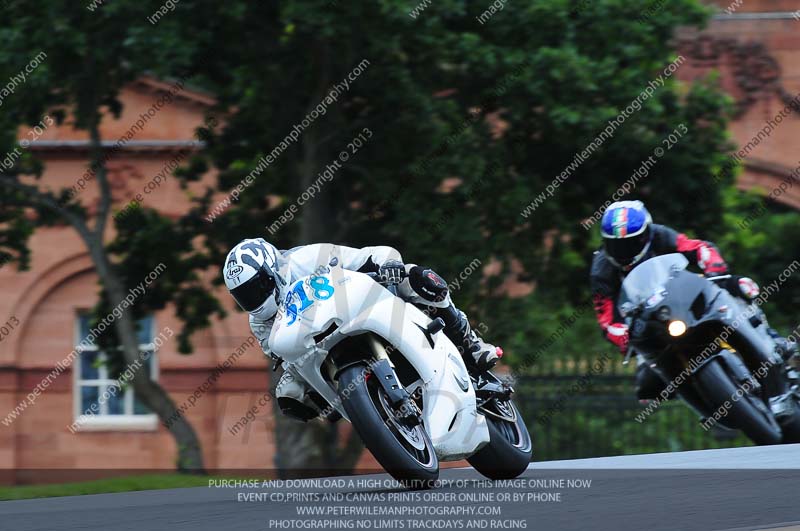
629, 238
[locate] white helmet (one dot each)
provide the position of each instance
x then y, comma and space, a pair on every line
252, 275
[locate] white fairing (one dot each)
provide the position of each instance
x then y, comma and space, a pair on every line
357, 304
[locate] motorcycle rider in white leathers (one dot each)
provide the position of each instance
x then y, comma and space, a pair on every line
256, 273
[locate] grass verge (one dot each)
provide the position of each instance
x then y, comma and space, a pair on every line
103, 486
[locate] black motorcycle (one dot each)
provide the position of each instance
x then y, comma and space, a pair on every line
712, 349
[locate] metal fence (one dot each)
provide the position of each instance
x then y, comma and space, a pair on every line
588, 408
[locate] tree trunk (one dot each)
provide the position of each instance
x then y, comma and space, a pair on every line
313, 446
190, 455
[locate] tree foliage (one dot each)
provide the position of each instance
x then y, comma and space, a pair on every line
87, 57
469, 121
463, 124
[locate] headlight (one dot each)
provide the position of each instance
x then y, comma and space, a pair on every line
676, 328
663, 314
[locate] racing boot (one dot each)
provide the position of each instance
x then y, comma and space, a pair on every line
748, 289
424, 287
786, 348
473, 349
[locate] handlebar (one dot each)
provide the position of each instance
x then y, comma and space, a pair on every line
391, 286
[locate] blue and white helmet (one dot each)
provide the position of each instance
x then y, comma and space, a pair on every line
627, 237
252, 275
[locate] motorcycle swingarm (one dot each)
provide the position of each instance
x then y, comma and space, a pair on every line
491, 390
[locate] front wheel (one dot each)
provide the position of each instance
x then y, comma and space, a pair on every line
509, 451
406, 452
746, 412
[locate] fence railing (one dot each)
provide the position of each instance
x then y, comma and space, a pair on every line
583, 408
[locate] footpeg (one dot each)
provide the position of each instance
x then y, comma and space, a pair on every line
782, 406
333, 417
499, 390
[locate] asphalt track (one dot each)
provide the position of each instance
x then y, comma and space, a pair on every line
733, 489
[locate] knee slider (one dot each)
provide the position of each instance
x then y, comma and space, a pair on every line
747, 288
291, 399
296, 409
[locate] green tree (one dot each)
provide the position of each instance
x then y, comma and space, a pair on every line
90, 55
467, 122
760, 239
452, 126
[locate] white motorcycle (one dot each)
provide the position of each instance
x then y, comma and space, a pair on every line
385, 366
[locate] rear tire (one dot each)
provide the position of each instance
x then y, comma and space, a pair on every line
791, 427
509, 451
748, 413
791, 430
391, 445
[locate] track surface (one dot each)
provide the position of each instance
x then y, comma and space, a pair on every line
735, 489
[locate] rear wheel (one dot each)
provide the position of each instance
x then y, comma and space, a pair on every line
791, 425
791, 429
509, 451
747, 412
404, 451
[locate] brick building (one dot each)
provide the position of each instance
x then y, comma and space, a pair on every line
45, 307
757, 50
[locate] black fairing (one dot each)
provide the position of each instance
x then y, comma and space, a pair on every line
693, 300
690, 298
697, 302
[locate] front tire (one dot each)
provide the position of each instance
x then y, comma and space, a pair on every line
405, 453
748, 413
509, 451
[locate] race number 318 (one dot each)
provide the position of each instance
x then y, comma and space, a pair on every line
321, 289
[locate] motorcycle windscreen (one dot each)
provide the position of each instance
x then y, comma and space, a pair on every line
649, 277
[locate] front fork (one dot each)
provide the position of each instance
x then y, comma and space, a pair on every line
399, 398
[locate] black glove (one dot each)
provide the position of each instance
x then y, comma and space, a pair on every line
392, 272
